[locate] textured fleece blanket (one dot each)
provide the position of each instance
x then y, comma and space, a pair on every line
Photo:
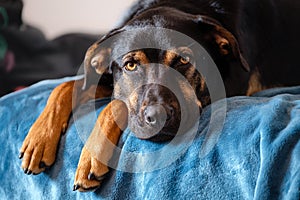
255, 155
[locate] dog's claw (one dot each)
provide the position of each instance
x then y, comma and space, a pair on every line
21, 155
42, 165
27, 171
76, 187
91, 176
83, 189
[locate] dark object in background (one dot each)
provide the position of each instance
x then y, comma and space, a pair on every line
26, 56
11, 12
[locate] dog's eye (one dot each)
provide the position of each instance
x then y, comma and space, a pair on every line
185, 59
130, 66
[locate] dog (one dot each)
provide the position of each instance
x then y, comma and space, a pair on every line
253, 44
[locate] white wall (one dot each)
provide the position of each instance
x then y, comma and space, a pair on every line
56, 17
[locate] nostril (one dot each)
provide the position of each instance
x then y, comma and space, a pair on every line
149, 116
155, 115
150, 120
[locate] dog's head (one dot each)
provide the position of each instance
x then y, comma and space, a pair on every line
148, 62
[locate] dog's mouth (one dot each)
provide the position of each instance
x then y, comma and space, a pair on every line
155, 122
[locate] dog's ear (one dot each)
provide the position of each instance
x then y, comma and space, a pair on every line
224, 39
98, 60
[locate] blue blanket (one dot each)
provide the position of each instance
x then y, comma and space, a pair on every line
255, 156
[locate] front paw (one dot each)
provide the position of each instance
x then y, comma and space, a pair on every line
90, 172
39, 148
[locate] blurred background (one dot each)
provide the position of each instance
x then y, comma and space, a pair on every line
47, 39
57, 17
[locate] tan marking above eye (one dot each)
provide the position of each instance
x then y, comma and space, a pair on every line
137, 56
185, 54
169, 56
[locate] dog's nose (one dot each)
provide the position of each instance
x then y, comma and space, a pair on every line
152, 114
157, 115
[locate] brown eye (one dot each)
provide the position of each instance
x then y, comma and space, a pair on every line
130, 66
185, 60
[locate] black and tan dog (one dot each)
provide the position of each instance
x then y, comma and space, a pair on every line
254, 44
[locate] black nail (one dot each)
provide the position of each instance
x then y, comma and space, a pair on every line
21, 155
42, 165
25, 171
76, 187
29, 172
91, 176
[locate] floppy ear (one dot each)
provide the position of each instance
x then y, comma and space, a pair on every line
225, 40
98, 60
96, 63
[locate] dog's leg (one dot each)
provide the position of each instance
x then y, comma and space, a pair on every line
99, 147
39, 147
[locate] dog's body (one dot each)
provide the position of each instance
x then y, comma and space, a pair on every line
253, 43
265, 31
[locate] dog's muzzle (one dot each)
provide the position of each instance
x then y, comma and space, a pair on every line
155, 115
158, 113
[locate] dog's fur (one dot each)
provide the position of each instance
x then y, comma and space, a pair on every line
253, 43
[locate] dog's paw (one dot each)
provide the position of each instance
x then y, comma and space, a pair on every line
90, 172
39, 147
